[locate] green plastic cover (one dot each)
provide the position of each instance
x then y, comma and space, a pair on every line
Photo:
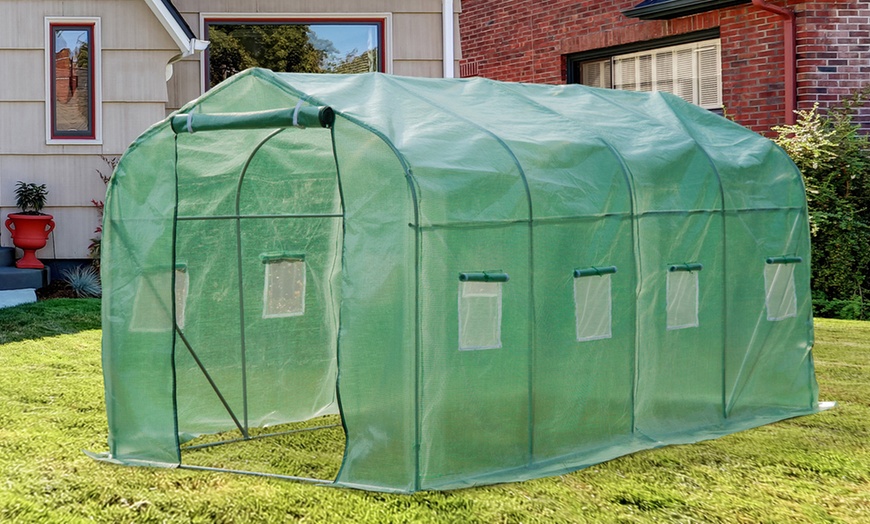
257, 273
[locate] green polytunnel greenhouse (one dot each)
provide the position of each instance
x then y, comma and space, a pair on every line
489, 282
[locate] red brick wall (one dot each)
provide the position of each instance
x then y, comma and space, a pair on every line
528, 40
833, 45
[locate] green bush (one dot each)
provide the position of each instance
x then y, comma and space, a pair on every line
834, 157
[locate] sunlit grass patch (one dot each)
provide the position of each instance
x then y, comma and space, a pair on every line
807, 469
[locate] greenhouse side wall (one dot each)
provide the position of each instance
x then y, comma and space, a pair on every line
138, 304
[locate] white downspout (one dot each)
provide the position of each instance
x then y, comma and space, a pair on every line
447, 19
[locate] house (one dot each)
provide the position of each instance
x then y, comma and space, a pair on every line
86, 77
754, 60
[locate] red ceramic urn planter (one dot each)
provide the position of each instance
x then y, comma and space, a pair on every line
29, 233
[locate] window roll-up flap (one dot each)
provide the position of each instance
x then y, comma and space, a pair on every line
484, 276
309, 116
785, 259
594, 271
272, 257
686, 267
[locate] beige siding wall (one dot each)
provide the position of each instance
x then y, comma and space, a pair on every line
134, 52
414, 42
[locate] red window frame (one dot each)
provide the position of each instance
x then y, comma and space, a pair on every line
91, 132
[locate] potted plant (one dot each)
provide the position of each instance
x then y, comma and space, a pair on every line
30, 227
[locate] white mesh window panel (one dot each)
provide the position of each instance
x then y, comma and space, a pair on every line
182, 284
682, 297
592, 307
780, 295
150, 313
284, 288
479, 315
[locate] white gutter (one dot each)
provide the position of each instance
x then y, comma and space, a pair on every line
186, 44
447, 19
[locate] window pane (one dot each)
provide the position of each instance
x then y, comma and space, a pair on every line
691, 71
645, 73
479, 315
284, 289
710, 77
592, 307
780, 296
665, 71
626, 74
682, 299
596, 74
72, 92
685, 75
335, 47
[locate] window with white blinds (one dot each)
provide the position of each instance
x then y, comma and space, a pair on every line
691, 71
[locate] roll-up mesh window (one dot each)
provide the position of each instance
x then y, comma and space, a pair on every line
479, 315
284, 287
150, 313
182, 283
780, 296
592, 303
682, 296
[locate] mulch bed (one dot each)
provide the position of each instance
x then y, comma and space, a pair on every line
57, 289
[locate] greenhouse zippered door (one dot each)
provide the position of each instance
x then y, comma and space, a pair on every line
273, 292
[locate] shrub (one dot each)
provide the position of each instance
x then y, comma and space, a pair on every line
834, 158
95, 247
84, 281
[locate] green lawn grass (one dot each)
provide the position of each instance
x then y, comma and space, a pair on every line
809, 469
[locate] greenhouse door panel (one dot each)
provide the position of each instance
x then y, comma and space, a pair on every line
207, 313
680, 323
585, 334
475, 353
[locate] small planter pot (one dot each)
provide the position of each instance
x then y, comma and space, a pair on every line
29, 233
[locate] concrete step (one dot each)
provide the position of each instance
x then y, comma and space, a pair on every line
16, 297
7, 256
14, 278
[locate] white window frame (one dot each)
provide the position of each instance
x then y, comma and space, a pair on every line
95, 56
696, 47
387, 19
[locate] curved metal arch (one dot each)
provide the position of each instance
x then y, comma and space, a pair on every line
238, 221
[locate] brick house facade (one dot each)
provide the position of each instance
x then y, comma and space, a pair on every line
541, 41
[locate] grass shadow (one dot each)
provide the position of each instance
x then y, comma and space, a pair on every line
48, 318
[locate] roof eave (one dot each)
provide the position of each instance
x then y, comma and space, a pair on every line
178, 30
678, 8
